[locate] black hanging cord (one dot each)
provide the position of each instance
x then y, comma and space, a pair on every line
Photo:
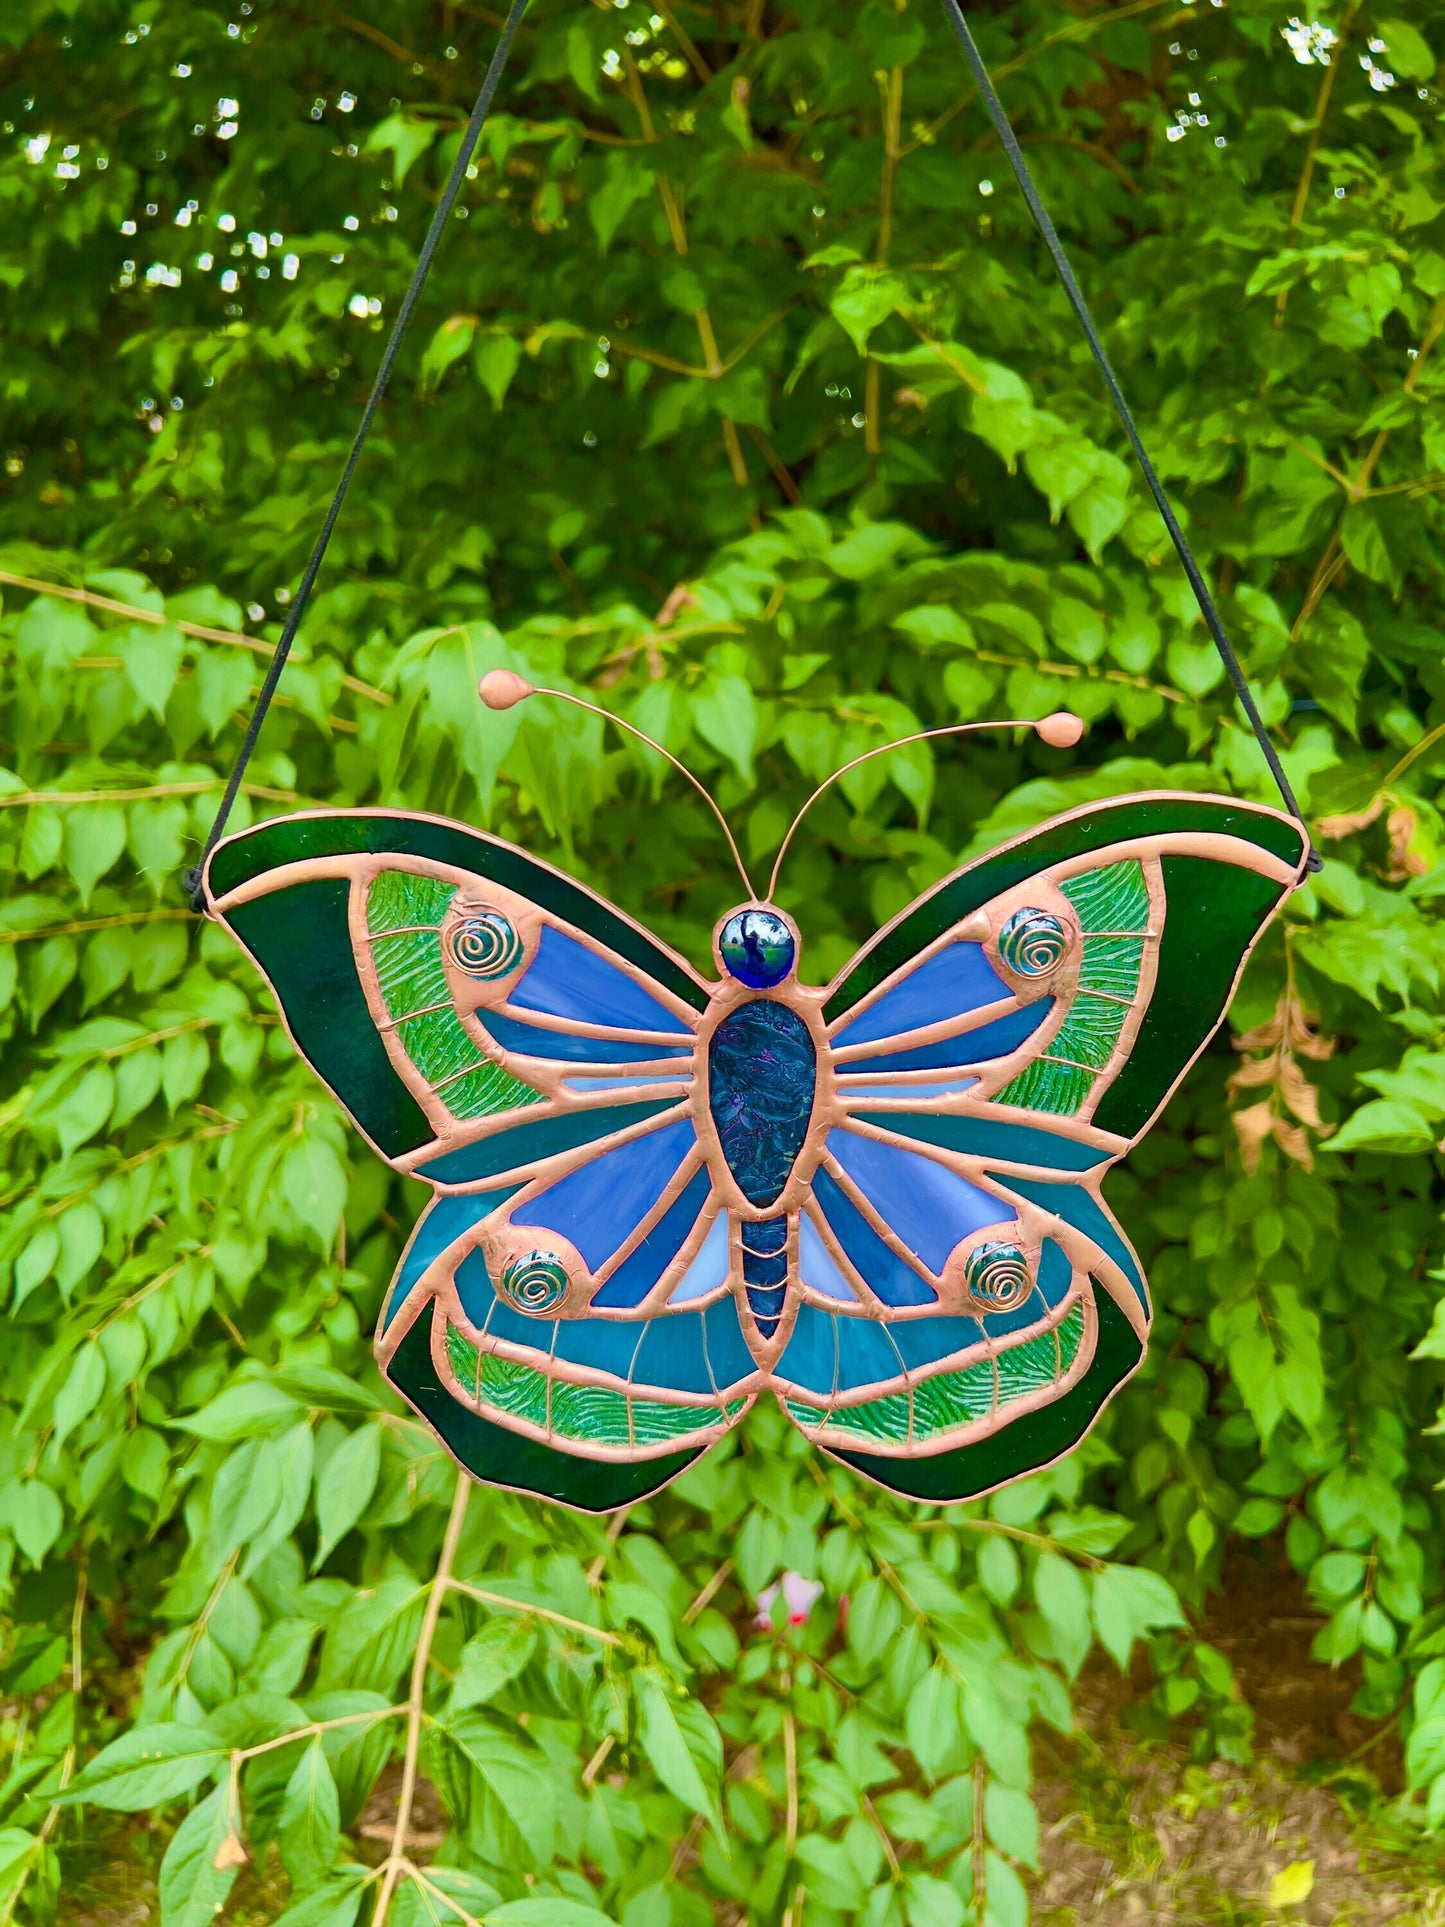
1080, 307
193, 879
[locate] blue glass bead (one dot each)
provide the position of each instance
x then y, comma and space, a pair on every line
1032, 943
757, 948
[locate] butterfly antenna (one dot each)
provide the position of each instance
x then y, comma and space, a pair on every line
1059, 731
504, 689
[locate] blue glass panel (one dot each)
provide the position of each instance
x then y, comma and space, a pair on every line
728, 1356
810, 1357
983, 1137
672, 1355
765, 1252
960, 977
600, 1205
924, 1203
866, 1353
1056, 1273
969, 1047
817, 1266
880, 1268
901, 1093
1076, 1207
527, 1143
1000, 1324
443, 1220
762, 1075
604, 1344
709, 1268
924, 1341
530, 1040
637, 1274
566, 979
584, 1086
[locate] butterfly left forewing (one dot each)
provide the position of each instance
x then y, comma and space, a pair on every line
992, 1052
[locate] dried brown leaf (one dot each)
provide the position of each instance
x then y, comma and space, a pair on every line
1253, 1125
1401, 825
1334, 827
1300, 1095
1260, 1070
1293, 1140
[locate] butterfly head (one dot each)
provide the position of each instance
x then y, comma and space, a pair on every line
757, 945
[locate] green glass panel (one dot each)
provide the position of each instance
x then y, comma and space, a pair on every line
1090, 1031
1115, 897
410, 972
295, 839
1070, 1334
1215, 911
492, 1452
1112, 965
591, 1414
301, 938
1028, 1367
1057, 1089
399, 899
877, 1418
806, 1415
951, 1399
439, 1047
1109, 823
1034, 1440
486, 1092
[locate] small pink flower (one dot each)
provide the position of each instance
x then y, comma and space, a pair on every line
799, 1594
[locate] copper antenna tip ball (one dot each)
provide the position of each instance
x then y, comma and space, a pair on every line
504, 689
1059, 731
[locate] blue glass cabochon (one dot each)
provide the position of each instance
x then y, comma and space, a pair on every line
757, 948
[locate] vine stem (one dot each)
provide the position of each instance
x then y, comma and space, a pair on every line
396, 1861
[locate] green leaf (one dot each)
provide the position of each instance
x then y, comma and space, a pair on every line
516, 1774
1063, 1599
1407, 51
491, 1658
344, 1489
308, 1832
95, 836
193, 1889
146, 1767
666, 1747
726, 716
405, 138
1128, 1603
863, 299
496, 359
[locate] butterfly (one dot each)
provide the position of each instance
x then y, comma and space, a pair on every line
658, 1194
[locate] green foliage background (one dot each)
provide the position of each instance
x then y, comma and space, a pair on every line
743, 398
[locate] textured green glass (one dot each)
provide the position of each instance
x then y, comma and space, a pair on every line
1057, 1089
951, 1399
412, 977
399, 900
1115, 898
1028, 1367
590, 1414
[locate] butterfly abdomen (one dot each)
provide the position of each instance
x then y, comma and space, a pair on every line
762, 1077
765, 1270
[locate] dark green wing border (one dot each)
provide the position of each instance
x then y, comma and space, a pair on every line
1027, 1443
1215, 912
299, 934
499, 1457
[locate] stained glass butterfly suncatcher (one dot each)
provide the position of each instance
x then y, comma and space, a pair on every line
659, 1195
